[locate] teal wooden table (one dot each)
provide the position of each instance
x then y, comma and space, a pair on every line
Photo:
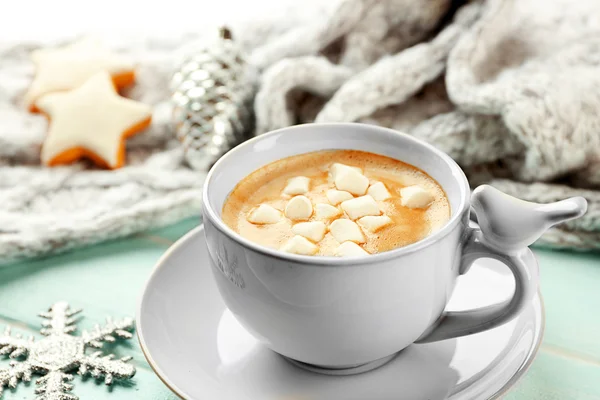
107, 279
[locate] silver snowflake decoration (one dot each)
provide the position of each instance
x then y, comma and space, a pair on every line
60, 353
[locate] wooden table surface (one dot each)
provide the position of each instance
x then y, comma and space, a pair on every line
107, 279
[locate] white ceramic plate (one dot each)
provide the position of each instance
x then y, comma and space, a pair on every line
200, 351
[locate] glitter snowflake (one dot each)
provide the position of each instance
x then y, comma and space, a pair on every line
60, 353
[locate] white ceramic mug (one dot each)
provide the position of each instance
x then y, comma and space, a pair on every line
348, 312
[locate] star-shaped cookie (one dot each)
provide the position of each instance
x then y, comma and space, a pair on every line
69, 67
91, 121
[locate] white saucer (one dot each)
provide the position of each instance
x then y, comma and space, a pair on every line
200, 351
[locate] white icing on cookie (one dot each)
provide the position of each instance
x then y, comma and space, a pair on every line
93, 117
69, 67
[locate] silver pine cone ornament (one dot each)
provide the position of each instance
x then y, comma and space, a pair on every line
212, 99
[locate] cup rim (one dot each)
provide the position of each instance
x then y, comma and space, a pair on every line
324, 261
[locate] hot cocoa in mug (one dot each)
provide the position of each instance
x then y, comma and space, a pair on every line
338, 245
336, 203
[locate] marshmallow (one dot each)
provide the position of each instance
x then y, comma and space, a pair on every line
326, 211
360, 207
265, 214
335, 197
350, 249
299, 207
345, 230
314, 231
415, 197
337, 168
374, 223
299, 245
297, 185
378, 191
351, 181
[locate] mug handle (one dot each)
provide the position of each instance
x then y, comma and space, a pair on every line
460, 323
506, 227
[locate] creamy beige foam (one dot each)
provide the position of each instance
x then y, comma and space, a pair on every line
267, 186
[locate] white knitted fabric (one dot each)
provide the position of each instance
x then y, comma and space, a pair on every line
508, 88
